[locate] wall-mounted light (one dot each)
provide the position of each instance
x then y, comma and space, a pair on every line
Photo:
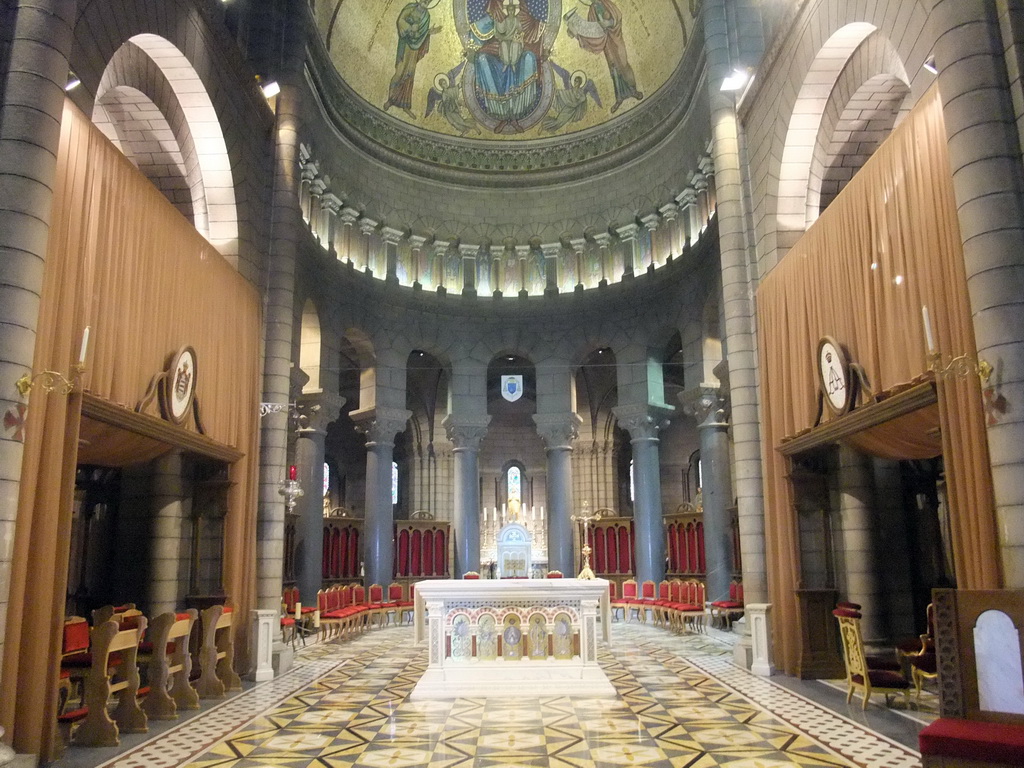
271, 89
54, 381
73, 82
929, 64
737, 80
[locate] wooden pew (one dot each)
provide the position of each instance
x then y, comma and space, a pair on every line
112, 648
169, 671
981, 705
216, 654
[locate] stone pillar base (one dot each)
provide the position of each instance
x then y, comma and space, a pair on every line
284, 657
760, 634
263, 645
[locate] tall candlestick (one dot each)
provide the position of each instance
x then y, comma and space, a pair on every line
85, 346
929, 339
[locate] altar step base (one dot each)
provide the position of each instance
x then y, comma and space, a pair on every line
512, 679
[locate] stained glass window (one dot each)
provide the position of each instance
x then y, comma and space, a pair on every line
632, 482
327, 479
394, 482
515, 484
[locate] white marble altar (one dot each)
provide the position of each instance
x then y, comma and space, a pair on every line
512, 637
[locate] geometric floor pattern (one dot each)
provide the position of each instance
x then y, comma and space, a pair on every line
681, 702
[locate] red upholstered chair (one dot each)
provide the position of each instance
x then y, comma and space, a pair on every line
859, 674
688, 612
727, 611
659, 606
360, 609
75, 658
628, 598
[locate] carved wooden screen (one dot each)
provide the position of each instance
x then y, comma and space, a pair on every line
342, 549
611, 542
422, 549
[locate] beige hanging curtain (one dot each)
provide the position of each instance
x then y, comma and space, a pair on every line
122, 260
888, 245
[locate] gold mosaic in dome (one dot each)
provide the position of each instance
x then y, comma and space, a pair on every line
505, 69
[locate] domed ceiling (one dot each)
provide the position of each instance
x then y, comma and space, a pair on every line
506, 70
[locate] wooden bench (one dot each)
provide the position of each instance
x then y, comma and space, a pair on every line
981, 704
216, 654
114, 670
170, 665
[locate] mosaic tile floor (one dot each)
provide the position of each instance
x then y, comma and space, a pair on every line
681, 703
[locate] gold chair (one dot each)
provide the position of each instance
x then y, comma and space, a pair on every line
859, 674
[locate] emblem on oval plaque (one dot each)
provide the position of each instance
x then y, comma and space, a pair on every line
178, 388
512, 387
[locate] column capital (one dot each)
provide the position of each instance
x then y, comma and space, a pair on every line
707, 165
699, 181
310, 170
440, 247
523, 251
466, 432
651, 221
331, 203
349, 216
497, 251
317, 410
468, 250
380, 425
628, 232
551, 250
558, 430
578, 245
391, 235
603, 239
687, 198
643, 422
670, 211
368, 226
318, 186
707, 404
417, 242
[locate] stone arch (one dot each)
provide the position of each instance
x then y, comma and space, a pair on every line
359, 361
152, 103
869, 97
310, 347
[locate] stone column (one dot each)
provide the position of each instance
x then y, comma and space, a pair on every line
708, 407
707, 167
579, 249
380, 425
349, 217
468, 253
643, 423
368, 228
559, 431
309, 169
391, 237
416, 243
551, 253
984, 153
466, 433
522, 255
651, 222
316, 412
316, 191
286, 226
167, 496
440, 250
687, 200
630, 249
856, 495
604, 244
29, 139
700, 184
670, 212
738, 286
497, 273
331, 207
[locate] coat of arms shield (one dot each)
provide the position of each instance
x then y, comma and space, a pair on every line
512, 387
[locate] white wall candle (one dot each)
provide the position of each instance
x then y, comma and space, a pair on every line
85, 346
929, 339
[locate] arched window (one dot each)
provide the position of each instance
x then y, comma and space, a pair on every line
327, 479
632, 482
394, 483
515, 483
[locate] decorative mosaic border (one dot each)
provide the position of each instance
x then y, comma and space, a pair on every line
847, 737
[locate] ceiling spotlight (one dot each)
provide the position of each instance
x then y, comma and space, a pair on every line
737, 80
73, 82
271, 89
929, 64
